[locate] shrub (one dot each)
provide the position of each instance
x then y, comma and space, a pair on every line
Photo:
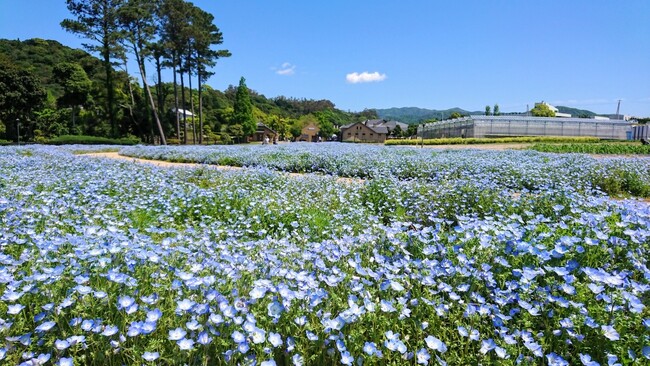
92, 140
4, 142
604, 148
496, 140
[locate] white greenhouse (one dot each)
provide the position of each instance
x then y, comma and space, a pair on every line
515, 125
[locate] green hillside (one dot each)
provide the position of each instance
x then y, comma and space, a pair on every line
414, 115
39, 57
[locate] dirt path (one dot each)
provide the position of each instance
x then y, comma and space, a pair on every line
169, 164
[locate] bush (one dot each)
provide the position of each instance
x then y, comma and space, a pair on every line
499, 140
92, 140
604, 148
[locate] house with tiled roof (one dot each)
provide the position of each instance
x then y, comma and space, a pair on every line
364, 132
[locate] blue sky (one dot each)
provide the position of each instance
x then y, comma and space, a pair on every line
420, 53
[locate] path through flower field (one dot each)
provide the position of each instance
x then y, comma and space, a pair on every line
431, 257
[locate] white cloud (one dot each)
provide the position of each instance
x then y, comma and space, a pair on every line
364, 77
286, 69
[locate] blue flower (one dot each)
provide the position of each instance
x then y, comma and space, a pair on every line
61, 345
15, 309
204, 338
124, 302
370, 348
177, 334
46, 326
487, 346
150, 356
154, 315
297, 360
587, 361
556, 360
610, 333
423, 356
275, 309
185, 344
238, 337
110, 330
436, 344
275, 339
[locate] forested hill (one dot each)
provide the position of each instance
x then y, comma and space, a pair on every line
39, 57
413, 115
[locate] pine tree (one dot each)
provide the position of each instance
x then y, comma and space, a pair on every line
98, 20
243, 109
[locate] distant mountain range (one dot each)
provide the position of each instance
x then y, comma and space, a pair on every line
412, 115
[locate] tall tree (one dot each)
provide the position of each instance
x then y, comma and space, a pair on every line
98, 20
243, 109
137, 24
496, 110
206, 35
173, 19
20, 94
487, 110
76, 86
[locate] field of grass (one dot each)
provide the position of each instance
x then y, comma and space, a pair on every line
440, 258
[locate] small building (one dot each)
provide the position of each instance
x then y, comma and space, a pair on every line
390, 125
364, 132
183, 112
262, 132
309, 133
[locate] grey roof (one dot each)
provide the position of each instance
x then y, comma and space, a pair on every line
376, 129
379, 129
373, 122
392, 124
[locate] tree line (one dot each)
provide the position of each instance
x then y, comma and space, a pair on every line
48, 89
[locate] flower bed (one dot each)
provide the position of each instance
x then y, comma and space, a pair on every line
106, 262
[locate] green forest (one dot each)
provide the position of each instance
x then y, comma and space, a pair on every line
49, 91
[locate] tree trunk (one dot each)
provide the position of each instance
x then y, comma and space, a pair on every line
200, 105
189, 77
183, 104
159, 87
178, 122
149, 95
135, 123
110, 92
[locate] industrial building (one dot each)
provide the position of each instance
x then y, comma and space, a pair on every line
519, 125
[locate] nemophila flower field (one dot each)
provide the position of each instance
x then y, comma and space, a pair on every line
509, 169
447, 258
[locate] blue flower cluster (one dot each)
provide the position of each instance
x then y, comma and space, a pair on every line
474, 258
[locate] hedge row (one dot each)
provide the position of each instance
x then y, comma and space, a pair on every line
500, 140
92, 140
604, 148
